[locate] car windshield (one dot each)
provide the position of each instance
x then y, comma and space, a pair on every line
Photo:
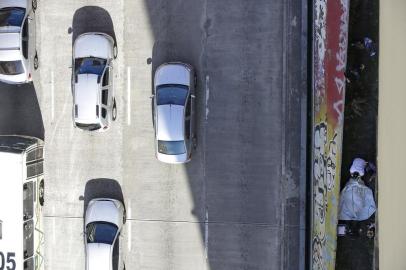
101, 232
90, 65
11, 67
172, 94
11, 16
89, 127
171, 147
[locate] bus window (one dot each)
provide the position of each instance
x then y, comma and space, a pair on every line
35, 169
36, 154
29, 264
28, 200
28, 239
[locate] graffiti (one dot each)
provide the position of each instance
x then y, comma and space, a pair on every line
331, 17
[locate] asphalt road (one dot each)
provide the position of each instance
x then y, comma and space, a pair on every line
239, 204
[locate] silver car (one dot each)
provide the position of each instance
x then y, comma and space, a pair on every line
18, 55
94, 105
174, 109
104, 221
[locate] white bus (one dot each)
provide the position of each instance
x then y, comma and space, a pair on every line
21, 203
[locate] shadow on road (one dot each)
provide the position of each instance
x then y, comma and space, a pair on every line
91, 19
20, 113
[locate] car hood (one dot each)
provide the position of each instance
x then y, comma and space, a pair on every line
95, 45
103, 210
172, 74
170, 122
99, 257
13, 3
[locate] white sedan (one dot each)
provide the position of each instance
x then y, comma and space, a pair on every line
94, 105
103, 223
174, 112
18, 55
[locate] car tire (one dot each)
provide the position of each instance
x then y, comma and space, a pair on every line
194, 142
114, 110
36, 61
195, 81
124, 216
34, 5
41, 192
115, 51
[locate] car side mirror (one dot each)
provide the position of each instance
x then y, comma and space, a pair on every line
29, 18
152, 96
192, 96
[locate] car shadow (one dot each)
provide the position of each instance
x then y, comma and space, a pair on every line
91, 19
20, 112
104, 188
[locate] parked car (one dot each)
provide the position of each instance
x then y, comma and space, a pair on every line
104, 221
18, 55
174, 109
94, 105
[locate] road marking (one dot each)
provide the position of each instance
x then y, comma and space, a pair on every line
52, 97
128, 95
207, 96
206, 234
128, 211
53, 226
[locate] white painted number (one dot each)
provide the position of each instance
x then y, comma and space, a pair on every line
10, 263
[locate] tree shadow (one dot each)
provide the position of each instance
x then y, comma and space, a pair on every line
20, 113
91, 19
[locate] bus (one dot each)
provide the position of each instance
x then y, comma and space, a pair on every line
21, 203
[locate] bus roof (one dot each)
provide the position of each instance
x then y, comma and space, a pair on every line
11, 201
16, 144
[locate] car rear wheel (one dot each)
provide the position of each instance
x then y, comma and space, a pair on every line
194, 142
34, 5
36, 61
124, 217
114, 111
115, 51
41, 193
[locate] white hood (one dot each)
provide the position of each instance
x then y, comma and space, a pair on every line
95, 45
172, 74
13, 3
103, 210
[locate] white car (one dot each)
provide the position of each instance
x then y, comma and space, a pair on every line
18, 55
104, 221
174, 109
94, 105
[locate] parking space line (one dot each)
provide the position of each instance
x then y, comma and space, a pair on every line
52, 96
53, 226
206, 234
207, 96
129, 225
128, 95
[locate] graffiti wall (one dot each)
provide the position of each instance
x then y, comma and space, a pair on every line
330, 27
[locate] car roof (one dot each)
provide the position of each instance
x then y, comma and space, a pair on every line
10, 44
11, 199
170, 124
99, 256
92, 45
87, 97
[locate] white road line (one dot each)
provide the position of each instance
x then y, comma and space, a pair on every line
207, 96
52, 97
128, 95
206, 234
53, 226
128, 225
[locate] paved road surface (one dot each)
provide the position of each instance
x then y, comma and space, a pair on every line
239, 203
